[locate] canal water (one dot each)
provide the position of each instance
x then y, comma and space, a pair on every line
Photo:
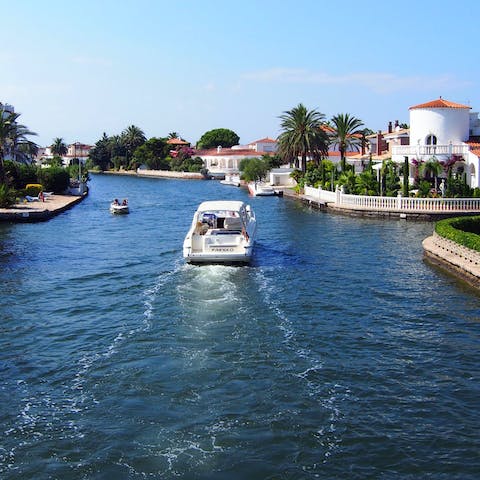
338, 354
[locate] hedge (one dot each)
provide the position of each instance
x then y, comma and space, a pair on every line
462, 230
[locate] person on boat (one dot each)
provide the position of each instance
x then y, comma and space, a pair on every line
115, 202
41, 197
125, 202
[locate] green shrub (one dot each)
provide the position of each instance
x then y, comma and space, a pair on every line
33, 189
7, 196
462, 230
54, 179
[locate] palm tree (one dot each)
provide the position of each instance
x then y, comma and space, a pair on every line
302, 135
27, 150
132, 137
58, 147
12, 135
173, 135
346, 134
432, 168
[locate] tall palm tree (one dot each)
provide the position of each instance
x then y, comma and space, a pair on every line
346, 134
132, 138
302, 136
12, 134
27, 150
58, 147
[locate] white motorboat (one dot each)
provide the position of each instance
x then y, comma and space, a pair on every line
258, 189
233, 180
222, 231
119, 208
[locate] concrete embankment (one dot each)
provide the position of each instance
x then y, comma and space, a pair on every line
39, 211
461, 261
155, 174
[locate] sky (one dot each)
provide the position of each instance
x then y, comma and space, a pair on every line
77, 69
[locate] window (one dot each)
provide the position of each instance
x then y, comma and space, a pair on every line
431, 140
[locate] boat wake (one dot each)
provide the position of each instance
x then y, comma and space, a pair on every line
306, 366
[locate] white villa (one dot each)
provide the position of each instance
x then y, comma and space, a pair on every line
76, 151
439, 129
227, 160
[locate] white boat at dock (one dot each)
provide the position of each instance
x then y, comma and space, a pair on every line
222, 231
259, 189
231, 179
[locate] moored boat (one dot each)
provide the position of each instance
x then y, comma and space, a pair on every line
258, 189
222, 231
233, 180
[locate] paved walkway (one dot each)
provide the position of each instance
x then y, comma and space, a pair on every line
39, 211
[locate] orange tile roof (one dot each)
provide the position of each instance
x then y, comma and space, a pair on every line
440, 103
474, 147
336, 153
177, 141
264, 140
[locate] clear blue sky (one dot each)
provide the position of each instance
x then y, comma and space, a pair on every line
76, 69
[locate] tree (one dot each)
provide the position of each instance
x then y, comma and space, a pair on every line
100, 154
253, 169
431, 169
346, 134
152, 154
132, 137
12, 135
222, 137
366, 183
302, 136
390, 178
172, 135
58, 147
27, 150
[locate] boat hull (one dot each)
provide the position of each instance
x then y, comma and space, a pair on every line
217, 257
258, 190
119, 209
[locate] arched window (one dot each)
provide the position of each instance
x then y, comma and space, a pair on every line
431, 140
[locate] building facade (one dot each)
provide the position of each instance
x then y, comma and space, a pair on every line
227, 160
444, 131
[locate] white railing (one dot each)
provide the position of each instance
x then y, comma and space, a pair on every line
449, 149
319, 194
393, 204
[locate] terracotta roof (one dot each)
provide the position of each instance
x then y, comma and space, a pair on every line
440, 103
263, 140
474, 147
336, 153
177, 141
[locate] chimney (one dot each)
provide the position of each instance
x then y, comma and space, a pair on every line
396, 123
389, 127
379, 142
219, 149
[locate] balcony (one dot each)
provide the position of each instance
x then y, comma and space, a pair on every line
430, 150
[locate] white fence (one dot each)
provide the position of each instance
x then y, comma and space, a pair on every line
393, 204
449, 149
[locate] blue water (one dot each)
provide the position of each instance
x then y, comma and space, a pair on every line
339, 353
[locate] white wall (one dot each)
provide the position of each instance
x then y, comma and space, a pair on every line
447, 124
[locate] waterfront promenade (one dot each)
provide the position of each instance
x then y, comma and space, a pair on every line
38, 211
